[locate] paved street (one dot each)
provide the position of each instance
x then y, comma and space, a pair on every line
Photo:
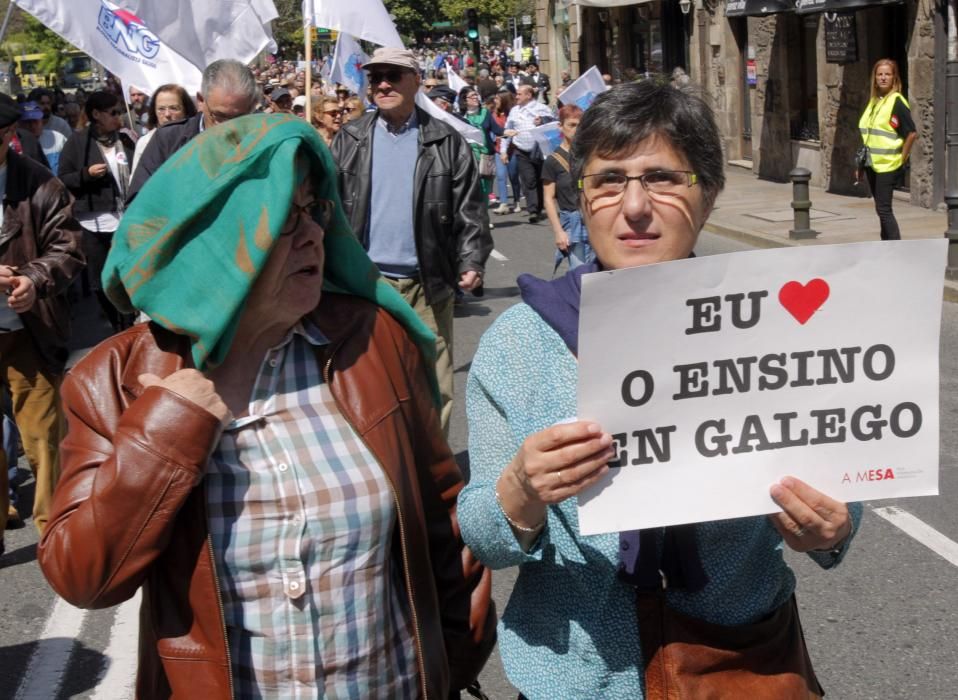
881, 626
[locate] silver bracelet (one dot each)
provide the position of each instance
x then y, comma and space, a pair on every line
513, 523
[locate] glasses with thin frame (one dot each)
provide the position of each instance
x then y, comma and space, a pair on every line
610, 186
321, 211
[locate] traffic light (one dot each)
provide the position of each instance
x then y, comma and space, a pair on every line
472, 24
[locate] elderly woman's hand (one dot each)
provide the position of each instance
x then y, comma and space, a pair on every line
194, 387
551, 466
810, 519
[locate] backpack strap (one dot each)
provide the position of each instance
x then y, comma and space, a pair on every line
562, 160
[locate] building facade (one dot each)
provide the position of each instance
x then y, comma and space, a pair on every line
788, 79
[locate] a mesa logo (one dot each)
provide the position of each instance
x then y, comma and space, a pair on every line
127, 32
869, 475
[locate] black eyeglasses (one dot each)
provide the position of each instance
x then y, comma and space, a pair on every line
392, 76
115, 112
320, 210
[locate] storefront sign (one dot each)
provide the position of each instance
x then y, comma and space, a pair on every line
718, 376
841, 37
757, 8
806, 7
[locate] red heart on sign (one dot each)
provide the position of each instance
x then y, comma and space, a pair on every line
803, 300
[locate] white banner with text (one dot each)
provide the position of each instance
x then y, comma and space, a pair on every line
717, 376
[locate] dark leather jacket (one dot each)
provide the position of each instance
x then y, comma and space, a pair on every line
130, 507
168, 140
450, 214
41, 238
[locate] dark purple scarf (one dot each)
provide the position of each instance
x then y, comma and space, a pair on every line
677, 560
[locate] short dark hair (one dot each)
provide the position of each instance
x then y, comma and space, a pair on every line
628, 114
101, 101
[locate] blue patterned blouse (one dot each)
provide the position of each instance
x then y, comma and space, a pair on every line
569, 629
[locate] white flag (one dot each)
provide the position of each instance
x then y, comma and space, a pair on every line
454, 80
347, 69
548, 136
584, 89
365, 19
117, 39
471, 133
203, 31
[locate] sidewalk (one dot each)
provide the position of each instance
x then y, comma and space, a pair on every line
759, 212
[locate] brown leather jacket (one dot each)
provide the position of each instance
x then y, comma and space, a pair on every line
41, 239
130, 507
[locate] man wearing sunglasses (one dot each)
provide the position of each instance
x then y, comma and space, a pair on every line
410, 187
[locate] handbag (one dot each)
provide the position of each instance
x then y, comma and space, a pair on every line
487, 165
690, 658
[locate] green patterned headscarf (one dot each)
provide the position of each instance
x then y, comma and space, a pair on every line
196, 237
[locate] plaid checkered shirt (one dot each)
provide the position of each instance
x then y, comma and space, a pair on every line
301, 519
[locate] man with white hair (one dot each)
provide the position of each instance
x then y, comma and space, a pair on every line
228, 90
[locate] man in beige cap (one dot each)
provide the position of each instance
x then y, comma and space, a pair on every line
410, 187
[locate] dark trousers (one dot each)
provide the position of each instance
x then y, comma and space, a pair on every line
882, 186
530, 178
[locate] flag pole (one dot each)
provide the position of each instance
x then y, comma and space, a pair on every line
125, 89
309, 70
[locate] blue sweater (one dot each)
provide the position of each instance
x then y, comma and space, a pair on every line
569, 629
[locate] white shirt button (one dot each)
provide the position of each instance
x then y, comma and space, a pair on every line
283, 466
273, 362
294, 585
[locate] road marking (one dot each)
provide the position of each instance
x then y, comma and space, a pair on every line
50, 659
921, 531
498, 256
119, 678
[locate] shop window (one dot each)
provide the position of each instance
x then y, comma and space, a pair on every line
647, 38
803, 95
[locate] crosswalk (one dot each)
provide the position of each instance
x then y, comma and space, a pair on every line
54, 654
46, 671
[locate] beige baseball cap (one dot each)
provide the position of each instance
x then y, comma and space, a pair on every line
388, 56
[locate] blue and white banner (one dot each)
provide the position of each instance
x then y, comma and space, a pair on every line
583, 91
203, 31
548, 136
119, 40
347, 68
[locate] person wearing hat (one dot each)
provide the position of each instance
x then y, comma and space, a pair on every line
51, 142
443, 96
39, 258
410, 187
281, 101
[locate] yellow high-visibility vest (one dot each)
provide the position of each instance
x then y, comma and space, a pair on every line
883, 142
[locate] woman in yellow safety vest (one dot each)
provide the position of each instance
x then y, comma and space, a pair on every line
888, 132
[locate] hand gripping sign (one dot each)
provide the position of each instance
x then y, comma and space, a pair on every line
718, 376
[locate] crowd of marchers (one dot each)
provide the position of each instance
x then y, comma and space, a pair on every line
260, 447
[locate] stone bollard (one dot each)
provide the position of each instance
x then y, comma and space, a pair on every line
802, 204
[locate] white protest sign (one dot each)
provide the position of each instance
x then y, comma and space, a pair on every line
718, 376
583, 91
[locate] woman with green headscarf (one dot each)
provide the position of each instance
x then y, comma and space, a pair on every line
264, 458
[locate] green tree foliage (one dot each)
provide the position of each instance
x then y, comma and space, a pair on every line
40, 39
414, 18
490, 11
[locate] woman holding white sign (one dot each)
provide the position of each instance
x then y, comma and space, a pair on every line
597, 616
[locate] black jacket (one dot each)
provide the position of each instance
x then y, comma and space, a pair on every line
167, 141
79, 153
41, 238
450, 214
